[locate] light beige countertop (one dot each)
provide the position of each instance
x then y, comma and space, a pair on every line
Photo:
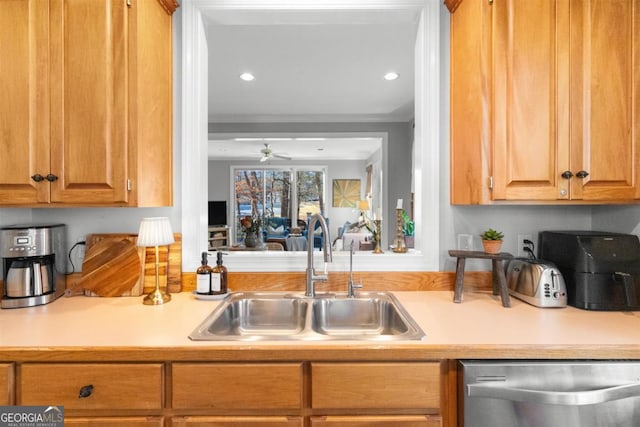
478, 327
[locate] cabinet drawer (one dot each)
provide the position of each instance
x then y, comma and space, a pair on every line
113, 386
375, 385
237, 386
377, 421
240, 421
6, 384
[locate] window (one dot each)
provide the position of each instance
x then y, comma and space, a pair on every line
277, 192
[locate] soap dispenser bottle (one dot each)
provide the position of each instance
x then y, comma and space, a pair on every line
219, 277
203, 277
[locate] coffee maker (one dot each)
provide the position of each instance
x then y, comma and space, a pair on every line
33, 264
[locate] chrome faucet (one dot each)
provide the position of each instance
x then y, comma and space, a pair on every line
352, 286
312, 277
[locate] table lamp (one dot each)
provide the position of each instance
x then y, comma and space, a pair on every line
155, 232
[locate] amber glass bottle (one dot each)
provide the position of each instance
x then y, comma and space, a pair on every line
219, 277
204, 277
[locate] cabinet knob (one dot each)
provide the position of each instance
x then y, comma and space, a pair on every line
582, 174
85, 391
37, 177
567, 174
51, 178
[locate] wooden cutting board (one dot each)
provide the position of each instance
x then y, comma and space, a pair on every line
110, 268
170, 263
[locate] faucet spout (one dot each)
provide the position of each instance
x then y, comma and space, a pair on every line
312, 277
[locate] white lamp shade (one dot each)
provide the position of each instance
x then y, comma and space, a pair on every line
155, 232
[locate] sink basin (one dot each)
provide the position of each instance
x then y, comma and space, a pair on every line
254, 316
356, 316
260, 316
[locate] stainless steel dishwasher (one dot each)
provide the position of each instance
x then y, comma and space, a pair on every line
506, 393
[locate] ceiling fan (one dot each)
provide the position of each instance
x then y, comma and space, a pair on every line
267, 154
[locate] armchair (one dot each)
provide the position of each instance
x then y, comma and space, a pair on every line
276, 228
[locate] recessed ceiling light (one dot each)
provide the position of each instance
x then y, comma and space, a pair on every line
391, 76
247, 77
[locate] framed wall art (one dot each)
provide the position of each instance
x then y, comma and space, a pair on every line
346, 193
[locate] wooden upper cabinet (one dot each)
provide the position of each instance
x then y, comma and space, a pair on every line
88, 101
94, 90
543, 97
24, 100
529, 104
605, 99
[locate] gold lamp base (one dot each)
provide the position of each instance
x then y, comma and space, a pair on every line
156, 298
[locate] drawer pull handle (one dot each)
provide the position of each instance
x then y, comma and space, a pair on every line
51, 177
37, 177
85, 391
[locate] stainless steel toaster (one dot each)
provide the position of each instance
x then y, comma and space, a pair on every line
536, 282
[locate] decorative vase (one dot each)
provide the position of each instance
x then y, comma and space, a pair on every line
492, 246
250, 239
409, 241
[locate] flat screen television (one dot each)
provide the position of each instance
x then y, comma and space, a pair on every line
217, 212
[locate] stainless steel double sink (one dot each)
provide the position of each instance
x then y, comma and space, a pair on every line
256, 316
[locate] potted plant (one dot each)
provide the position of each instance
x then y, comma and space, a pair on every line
492, 241
408, 230
251, 227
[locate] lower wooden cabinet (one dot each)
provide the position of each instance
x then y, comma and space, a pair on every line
404, 394
92, 386
237, 386
375, 386
254, 394
377, 421
7, 384
114, 421
237, 421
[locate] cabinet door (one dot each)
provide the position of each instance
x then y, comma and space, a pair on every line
89, 101
24, 110
377, 421
605, 99
7, 384
237, 421
530, 105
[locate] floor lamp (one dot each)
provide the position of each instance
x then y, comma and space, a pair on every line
155, 232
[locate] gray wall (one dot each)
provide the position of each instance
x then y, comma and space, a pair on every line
453, 219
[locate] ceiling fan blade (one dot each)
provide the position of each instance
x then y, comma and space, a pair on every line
282, 156
264, 158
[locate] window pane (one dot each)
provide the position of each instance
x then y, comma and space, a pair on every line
310, 193
277, 193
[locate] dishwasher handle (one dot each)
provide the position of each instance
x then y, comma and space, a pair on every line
572, 398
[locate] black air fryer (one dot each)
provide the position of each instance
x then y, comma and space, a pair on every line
601, 270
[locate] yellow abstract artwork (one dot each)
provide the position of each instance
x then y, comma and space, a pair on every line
346, 193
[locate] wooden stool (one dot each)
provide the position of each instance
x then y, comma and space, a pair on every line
497, 271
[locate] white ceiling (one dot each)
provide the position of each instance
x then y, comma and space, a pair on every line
297, 148
310, 66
